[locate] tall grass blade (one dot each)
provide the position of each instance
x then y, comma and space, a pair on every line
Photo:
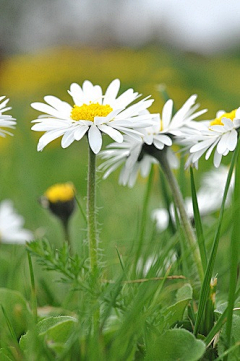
233, 261
198, 223
208, 274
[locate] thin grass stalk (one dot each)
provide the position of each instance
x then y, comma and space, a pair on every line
234, 245
198, 223
91, 211
33, 289
208, 274
81, 209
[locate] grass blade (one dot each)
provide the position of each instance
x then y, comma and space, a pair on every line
208, 274
198, 223
234, 245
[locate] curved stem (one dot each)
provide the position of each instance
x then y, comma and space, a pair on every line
161, 156
91, 210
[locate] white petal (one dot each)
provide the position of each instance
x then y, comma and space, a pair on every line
58, 104
49, 137
210, 149
202, 145
46, 109
164, 139
80, 131
158, 144
167, 113
217, 159
95, 139
76, 93
112, 91
228, 123
67, 139
126, 98
227, 141
113, 133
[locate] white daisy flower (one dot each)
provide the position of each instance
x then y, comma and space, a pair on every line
11, 225
134, 160
129, 155
167, 125
133, 154
6, 121
220, 133
92, 113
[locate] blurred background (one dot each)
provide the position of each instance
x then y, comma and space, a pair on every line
187, 46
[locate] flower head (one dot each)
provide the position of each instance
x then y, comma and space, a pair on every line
6, 121
60, 200
92, 113
135, 155
220, 134
133, 158
11, 224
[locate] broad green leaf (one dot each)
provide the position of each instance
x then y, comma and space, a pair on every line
175, 312
53, 331
16, 309
176, 344
184, 293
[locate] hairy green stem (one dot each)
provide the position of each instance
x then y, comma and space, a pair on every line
91, 211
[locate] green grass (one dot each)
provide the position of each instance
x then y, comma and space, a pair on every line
136, 306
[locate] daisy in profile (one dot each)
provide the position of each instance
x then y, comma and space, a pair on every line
220, 134
6, 121
137, 156
130, 156
11, 225
91, 112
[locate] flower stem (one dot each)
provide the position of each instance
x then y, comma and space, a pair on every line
161, 156
65, 225
91, 210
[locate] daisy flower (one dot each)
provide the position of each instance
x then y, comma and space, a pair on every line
11, 225
92, 113
6, 121
135, 155
130, 154
167, 124
220, 134
60, 200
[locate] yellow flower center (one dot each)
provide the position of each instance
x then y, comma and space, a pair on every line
60, 192
90, 111
218, 121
